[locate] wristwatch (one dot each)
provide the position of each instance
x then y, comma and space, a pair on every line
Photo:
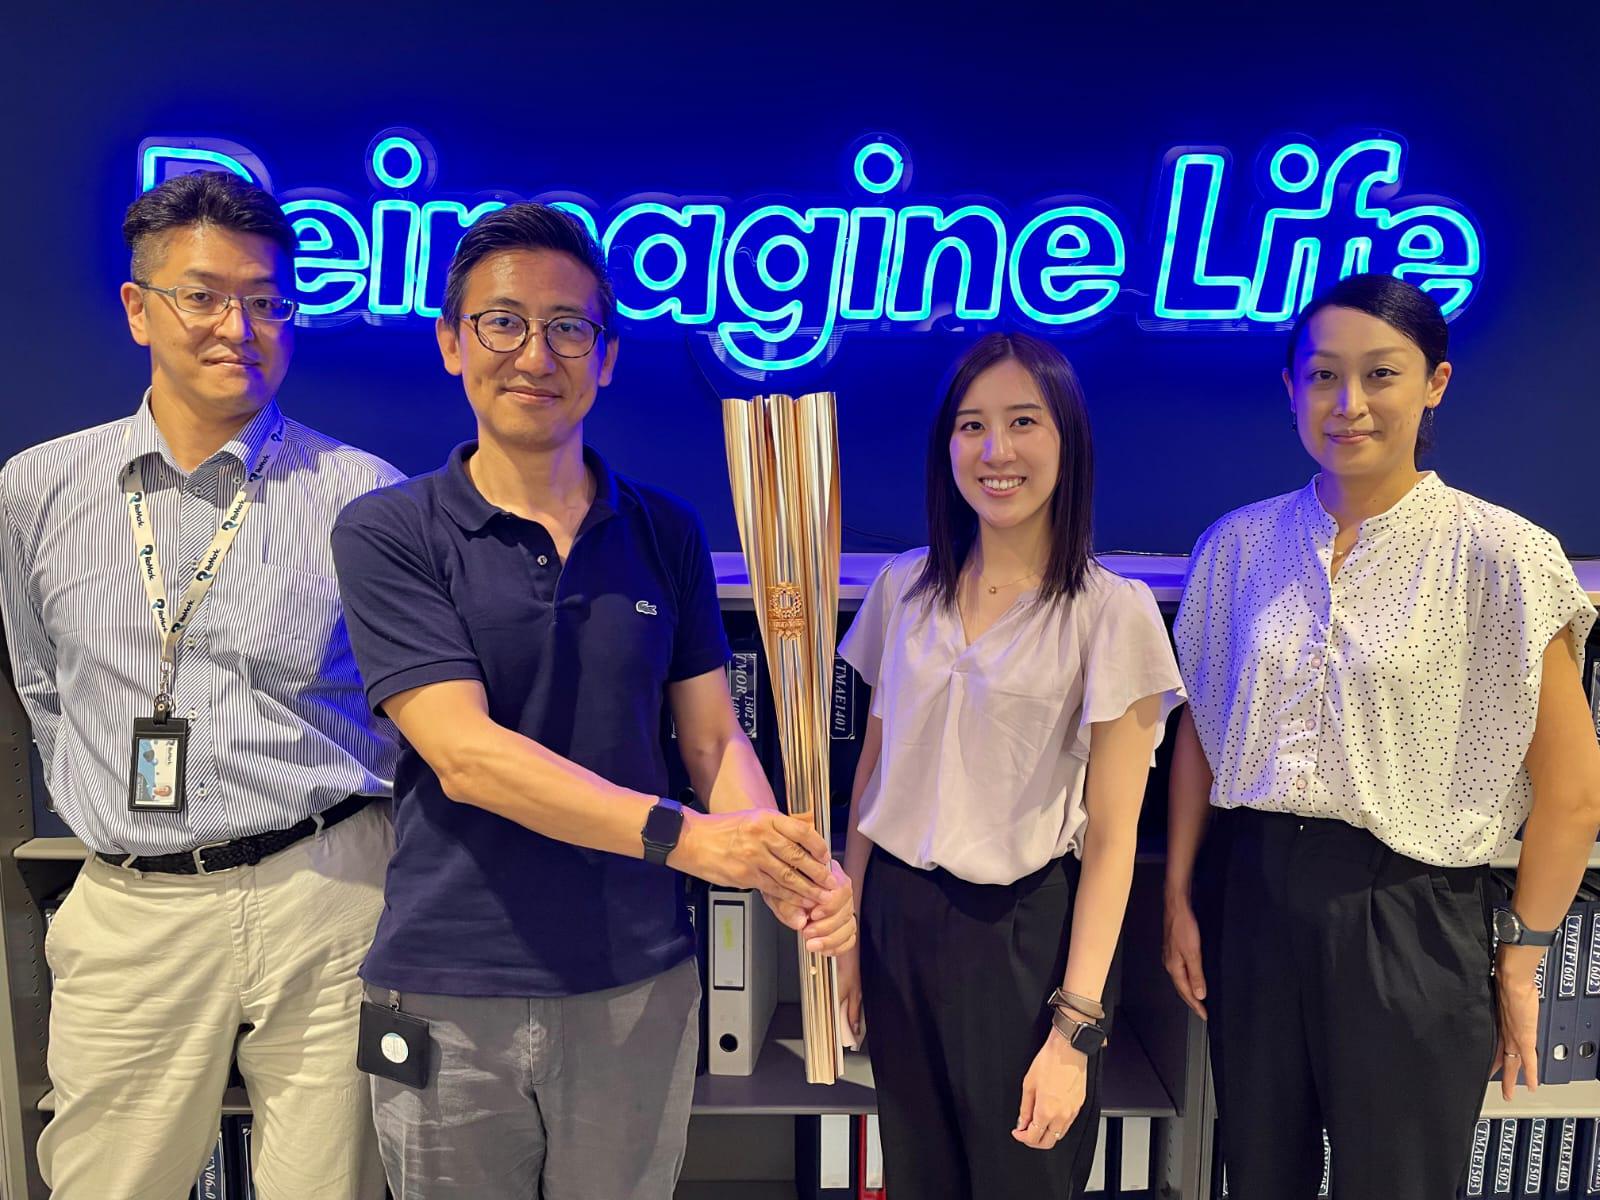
661, 831
1083, 1036
1508, 927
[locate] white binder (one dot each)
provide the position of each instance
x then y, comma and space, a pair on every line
742, 980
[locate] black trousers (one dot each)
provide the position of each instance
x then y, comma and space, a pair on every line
1349, 989
954, 980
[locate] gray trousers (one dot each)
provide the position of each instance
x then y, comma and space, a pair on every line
575, 1098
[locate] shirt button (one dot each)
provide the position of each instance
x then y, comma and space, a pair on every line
193, 713
1316, 662
188, 641
1301, 784
544, 560
1311, 724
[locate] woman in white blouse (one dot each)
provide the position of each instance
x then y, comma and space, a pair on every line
1017, 692
1383, 686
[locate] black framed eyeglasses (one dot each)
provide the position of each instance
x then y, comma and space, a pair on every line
506, 332
208, 302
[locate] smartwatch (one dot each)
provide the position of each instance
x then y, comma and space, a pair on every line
1508, 927
661, 831
1086, 1037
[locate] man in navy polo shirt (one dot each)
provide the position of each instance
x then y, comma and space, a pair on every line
521, 614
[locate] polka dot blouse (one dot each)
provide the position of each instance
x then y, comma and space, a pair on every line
1398, 696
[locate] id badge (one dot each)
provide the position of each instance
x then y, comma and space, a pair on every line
155, 779
393, 1045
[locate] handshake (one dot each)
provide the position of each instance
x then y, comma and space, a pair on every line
783, 858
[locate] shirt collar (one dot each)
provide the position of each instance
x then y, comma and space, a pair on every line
145, 438
1420, 499
460, 497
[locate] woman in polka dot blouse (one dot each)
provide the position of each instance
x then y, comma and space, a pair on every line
1383, 687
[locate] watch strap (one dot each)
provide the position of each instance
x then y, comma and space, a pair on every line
661, 831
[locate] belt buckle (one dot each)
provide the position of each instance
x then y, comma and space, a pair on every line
199, 863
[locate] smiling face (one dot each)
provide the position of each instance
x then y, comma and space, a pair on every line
1005, 450
225, 367
1358, 388
530, 399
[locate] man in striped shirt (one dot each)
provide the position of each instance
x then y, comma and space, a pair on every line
227, 914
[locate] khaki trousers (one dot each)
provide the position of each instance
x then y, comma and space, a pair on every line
161, 979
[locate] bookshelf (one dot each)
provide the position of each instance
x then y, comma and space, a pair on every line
1156, 1067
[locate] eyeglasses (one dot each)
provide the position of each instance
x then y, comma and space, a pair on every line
207, 302
507, 332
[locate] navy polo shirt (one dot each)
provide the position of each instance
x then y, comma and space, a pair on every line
439, 584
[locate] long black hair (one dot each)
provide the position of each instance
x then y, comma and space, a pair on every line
953, 525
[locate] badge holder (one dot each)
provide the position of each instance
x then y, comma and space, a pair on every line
160, 751
393, 1045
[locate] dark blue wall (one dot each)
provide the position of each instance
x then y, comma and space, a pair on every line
685, 99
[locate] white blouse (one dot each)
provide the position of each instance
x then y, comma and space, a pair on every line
986, 746
1400, 696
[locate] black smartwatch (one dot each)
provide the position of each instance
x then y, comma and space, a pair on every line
1508, 927
1086, 1037
662, 829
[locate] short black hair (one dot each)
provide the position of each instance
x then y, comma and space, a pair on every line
526, 226
1398, 304
953, 525
218, 198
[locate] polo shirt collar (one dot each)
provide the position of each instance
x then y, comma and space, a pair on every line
145, 438
461, 499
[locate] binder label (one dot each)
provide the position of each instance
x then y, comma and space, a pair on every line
1480, 1158
1571, 944
1591, 980
844, 702
742, 670
727, 945
1565, 1152
1533, 1178
1505, 1158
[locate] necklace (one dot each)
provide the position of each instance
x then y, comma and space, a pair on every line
995, 587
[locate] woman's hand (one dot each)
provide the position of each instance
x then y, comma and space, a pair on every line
1180, 953
828, 927
849, 966
1519, 1029
1052, 1093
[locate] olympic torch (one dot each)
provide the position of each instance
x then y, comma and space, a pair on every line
783, 467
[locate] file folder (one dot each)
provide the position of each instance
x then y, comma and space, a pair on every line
1566, 960
1134, 1167
243, 1128
1561, 1167
1097, 1167
1503, 1179
743, 970
869, 1159
1587, 1184
1586, 1041
1530, 1157
1478, 1162
823, 1152
213, 1181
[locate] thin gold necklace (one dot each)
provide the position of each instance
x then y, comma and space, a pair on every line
995, 587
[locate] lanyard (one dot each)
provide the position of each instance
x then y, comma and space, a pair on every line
171, 624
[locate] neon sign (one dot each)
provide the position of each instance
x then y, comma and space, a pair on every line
773, 287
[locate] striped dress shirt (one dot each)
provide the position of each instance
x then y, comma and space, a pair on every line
278, 726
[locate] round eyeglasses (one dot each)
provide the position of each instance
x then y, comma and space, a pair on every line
506, 332
208, 302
